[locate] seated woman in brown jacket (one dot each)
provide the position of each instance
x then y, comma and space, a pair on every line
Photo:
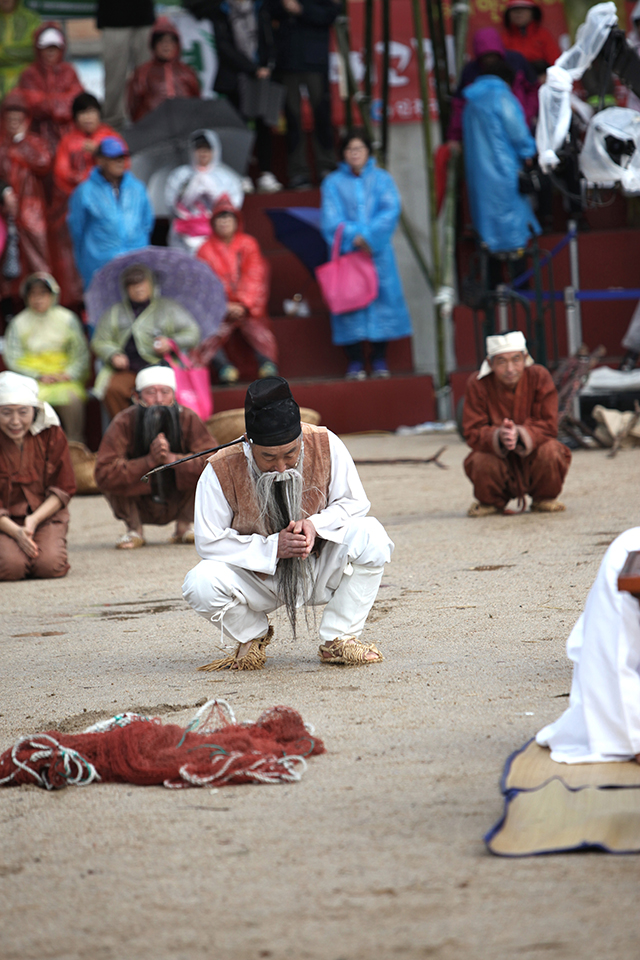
36, 483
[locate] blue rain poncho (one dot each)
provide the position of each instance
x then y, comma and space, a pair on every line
496, 141
104, 226
369, 207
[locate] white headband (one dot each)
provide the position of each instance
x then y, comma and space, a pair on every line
505, 343
23, 391
156, 376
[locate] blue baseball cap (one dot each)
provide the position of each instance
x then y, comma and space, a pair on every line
113, 147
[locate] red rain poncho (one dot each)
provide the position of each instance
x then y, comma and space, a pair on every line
158, 80
23, 165
245, 276
49, 92
73, 162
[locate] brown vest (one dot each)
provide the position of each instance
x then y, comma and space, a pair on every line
233, 473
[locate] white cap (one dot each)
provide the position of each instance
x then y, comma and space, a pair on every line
51, 37
505, 343
156, 376
23, 391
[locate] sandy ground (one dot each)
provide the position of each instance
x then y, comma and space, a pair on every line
378, 852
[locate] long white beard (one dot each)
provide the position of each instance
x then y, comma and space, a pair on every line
279, 498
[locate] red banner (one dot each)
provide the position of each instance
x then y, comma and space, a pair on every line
405, 104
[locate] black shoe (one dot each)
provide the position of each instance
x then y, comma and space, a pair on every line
629, 361
300, 182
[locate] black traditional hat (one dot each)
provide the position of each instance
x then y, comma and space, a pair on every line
271, 415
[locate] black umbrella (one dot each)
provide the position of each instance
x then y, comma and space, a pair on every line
177, 118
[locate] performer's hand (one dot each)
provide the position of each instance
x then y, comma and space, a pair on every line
24, 539
159, 450
292, 6
263, 73
292, 544
508, 434
308, 530
119, 361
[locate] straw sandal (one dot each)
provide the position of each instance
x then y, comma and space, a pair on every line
547, 506
187, 537
482, 509
348, 650
130, 541
254, 659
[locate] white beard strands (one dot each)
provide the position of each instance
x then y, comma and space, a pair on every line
279, 498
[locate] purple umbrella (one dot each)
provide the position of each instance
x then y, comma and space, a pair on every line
180, 276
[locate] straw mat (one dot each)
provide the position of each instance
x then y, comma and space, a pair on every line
556, 807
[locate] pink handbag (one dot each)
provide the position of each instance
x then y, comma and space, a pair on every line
193, 387
348, 282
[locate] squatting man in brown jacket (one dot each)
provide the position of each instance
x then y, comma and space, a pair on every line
281, 520
154, 431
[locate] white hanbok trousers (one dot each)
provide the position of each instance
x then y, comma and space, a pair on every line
346, 576
602, 722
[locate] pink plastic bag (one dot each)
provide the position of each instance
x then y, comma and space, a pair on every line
193, 387
348, 282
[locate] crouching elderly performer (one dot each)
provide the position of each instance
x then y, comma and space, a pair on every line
155, 430
511, 424
281, 521
602, 722
36, 483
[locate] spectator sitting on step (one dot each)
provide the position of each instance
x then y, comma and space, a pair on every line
193, 189
164, 77
50, 85
76, 153
109, 212
135, 333
235, 258
47, 342
364, 200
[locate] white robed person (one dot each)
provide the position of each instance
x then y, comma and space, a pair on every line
602, 722
281, 520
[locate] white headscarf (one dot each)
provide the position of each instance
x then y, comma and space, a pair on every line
156, 376
23, 391
505, 343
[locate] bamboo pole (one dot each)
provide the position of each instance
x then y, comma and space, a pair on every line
461, 24
368, 48
436, 271
384, 120
407, 228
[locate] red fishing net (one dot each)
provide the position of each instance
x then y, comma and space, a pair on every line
211, 751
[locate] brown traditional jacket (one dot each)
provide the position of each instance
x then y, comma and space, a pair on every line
28, 475
232, 471
532, 406
119, 472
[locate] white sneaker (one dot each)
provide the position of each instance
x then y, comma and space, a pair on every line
247, 185
267, 183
